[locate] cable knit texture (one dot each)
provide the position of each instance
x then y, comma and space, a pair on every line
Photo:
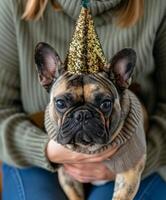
22, 143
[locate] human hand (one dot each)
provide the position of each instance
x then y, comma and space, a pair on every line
57, 153
89, 172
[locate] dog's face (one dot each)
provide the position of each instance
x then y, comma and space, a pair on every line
86, 108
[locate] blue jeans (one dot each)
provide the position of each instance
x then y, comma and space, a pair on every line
38, 184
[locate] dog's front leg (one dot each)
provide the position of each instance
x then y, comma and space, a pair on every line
72, 188
127, 183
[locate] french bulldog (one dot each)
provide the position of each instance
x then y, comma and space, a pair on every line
91, 112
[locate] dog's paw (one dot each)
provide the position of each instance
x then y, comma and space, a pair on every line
125, 194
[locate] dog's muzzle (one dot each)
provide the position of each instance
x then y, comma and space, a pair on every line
83, 126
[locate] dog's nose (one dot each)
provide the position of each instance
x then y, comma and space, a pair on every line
82, 115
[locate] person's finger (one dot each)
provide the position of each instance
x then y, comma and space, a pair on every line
80, 172
59, 154
98, 167
87, 179
97, 171
82, 179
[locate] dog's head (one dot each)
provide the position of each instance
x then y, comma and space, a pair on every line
85, 107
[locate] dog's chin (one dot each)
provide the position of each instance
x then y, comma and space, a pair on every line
82, 142
88, 149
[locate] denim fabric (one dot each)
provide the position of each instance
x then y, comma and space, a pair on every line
151, 188
37, 184
30, 184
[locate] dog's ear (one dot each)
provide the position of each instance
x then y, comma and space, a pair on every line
121, 67
49, 65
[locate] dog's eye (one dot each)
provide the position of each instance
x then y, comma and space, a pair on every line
60, 103
106, 105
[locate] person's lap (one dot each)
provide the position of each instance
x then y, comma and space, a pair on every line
151, 188
38, 184
30, 184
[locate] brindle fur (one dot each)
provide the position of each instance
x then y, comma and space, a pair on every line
72, 188
127, 183
87, 90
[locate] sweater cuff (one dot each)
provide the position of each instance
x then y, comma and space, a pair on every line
36, 154
29, 148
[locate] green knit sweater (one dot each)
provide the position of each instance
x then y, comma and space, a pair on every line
22, 143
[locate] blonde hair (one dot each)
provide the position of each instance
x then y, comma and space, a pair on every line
34, 9
128, 13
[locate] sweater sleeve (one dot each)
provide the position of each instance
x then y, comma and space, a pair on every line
21, 143
156, 137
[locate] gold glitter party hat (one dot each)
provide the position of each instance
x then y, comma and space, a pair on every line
85, 53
